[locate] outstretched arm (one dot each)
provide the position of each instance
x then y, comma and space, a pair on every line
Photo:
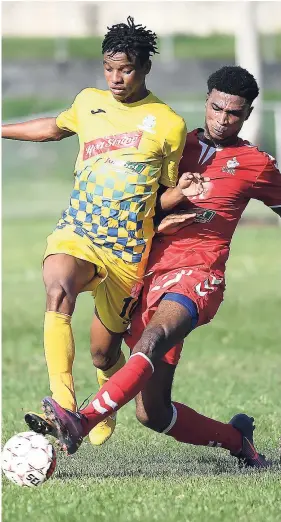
41, 129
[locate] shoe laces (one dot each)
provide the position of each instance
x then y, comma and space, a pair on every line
87, 400
103, 422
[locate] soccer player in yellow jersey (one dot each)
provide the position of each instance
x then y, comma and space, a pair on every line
130, 145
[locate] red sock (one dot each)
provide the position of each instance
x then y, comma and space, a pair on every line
122, 387
193, 428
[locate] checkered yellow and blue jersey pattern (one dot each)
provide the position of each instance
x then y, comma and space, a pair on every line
126, 151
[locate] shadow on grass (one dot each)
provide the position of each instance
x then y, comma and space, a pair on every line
178, 464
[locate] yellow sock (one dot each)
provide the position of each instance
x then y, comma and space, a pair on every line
103, 376
59, 352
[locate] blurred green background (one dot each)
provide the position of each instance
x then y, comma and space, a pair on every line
185, 46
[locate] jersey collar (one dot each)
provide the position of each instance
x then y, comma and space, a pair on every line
200, 136
127, 106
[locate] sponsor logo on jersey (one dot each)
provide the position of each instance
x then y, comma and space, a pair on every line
136, 166
231, 166
109, 143
148, 124
204, 217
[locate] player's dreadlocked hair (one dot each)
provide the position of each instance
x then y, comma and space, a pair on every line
234, 80
131, 39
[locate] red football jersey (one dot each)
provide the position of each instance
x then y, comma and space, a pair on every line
237, 173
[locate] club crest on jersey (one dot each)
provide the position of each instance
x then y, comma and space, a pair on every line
231, 166
148, 124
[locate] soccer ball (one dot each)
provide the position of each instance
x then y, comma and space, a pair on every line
28, 459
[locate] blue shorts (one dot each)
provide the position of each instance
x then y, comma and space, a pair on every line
187, 303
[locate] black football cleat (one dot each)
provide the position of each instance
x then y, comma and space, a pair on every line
38, 422
248, 456
68, 428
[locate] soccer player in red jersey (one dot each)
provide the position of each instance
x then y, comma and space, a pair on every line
184, 283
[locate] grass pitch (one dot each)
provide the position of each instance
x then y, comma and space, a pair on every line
232, 365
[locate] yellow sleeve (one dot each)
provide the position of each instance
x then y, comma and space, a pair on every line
173, 149
67, 120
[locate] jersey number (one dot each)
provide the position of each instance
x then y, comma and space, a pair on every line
129, 305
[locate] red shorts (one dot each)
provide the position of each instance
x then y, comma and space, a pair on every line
204, 287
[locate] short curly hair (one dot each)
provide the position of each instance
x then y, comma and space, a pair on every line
131, 39
234, 80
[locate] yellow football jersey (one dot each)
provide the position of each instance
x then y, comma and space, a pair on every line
126, 151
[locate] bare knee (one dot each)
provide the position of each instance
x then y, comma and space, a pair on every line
102, 358
105, 345
60, 297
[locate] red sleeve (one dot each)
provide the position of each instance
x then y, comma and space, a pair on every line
267, 187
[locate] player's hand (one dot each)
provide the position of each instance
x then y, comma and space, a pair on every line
174, 222
192, 184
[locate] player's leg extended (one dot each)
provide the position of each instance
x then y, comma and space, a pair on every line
169, 325
64, 278
108, 358
155, 410
129, 380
